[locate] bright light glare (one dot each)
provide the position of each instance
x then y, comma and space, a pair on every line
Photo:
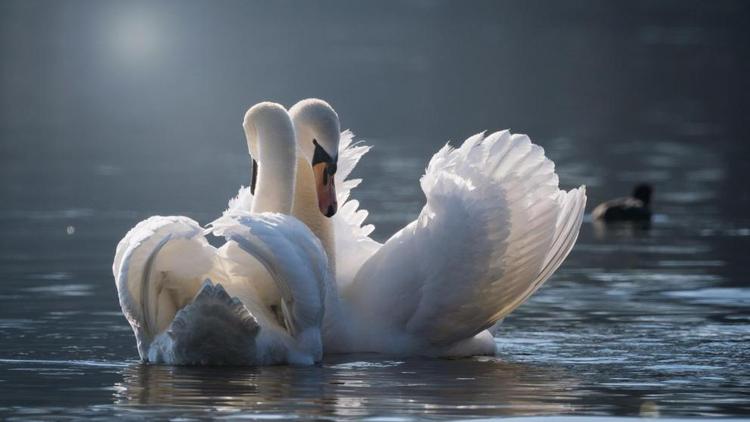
136, 36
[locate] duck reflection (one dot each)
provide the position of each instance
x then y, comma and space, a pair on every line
357, 386
621, 229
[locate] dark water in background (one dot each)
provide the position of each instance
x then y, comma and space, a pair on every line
111, 112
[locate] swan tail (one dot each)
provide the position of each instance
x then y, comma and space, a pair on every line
214, 329
158, 268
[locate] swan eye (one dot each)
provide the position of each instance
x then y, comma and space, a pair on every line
320, 155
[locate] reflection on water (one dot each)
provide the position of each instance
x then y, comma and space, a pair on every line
638, 321
354, 386
624, 229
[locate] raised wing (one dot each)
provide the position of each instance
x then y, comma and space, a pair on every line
494, 228
353, 243
159, 267
242, 202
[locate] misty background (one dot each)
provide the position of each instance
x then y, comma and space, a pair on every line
137, 105
113, 111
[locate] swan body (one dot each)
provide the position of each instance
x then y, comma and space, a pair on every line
494, 228
191, 303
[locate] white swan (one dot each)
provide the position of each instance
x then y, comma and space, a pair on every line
494, 229
164, 270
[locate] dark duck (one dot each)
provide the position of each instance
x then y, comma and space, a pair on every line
631, 208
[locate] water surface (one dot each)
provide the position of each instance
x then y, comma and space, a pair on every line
635, 323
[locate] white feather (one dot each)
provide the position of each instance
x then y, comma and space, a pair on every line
162, 263
495, 226
353, 243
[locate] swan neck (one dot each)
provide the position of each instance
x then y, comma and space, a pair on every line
306, 210
272, 135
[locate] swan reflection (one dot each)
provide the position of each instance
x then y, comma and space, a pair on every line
356, 386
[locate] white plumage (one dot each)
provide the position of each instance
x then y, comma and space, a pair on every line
257, 300
352, 237
494, 228
165, 272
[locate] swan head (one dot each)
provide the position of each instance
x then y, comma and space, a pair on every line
266, 115
317, 128
271, 142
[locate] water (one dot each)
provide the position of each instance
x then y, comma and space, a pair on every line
635, 323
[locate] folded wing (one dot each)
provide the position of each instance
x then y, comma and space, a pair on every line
291, 254
159, 267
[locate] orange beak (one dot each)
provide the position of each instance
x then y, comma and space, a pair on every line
325, 188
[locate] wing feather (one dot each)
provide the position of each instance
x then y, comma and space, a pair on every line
352, 235
494, 228
159, 266
290, 252
353, 243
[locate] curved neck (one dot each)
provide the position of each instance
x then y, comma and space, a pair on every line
306, 209
271, 134
315, 119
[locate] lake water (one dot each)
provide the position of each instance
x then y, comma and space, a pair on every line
636, 322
